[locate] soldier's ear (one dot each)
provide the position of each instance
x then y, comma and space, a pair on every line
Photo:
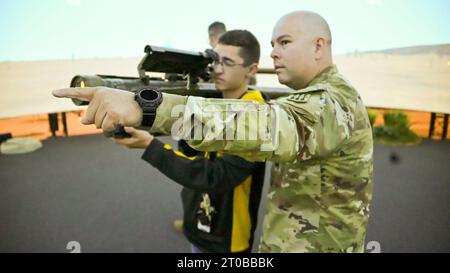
252, 70
319, 48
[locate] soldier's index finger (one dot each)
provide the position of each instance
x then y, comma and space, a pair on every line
84, 94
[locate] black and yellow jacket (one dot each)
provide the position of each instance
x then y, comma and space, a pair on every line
221, 193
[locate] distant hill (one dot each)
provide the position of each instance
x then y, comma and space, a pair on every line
443, 49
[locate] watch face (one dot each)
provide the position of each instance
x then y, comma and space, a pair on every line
149, 94
149, 99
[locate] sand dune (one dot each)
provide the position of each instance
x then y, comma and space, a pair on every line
443, 49
25, 87
414, 82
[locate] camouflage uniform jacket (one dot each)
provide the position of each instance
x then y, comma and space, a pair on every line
320, 141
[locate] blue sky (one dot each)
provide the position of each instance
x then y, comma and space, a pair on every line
66, 29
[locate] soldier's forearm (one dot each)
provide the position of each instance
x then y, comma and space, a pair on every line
254, 131
164, 117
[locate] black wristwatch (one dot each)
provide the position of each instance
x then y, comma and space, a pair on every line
148, 99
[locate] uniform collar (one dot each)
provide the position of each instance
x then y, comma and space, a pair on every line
322, 76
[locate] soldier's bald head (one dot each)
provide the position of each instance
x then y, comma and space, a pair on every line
301, 43
307, 24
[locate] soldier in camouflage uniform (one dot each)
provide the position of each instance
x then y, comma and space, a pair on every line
320, 140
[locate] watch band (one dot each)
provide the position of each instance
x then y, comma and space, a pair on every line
148, 119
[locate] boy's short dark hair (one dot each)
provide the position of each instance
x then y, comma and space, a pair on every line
250, 49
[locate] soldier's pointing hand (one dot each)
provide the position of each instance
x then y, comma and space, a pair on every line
108, 108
